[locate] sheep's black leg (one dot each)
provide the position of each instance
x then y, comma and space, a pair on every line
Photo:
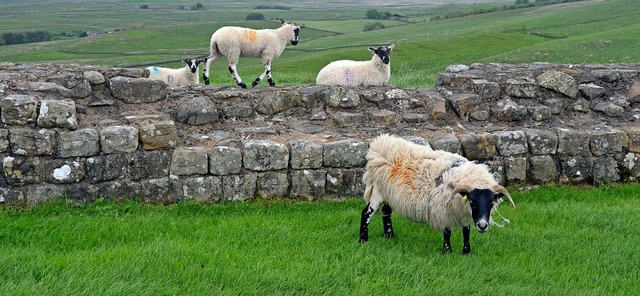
365, 218
466, 249
236, 77
386, 221
205, 71
447, 241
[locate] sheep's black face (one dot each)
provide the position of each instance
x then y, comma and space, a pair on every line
296, 33
383, 52
482, 202
193, 65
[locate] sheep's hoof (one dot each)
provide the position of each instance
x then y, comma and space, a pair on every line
446, 250
241, 84
271, 82
389, 235
364, 239
466, 250
253, 84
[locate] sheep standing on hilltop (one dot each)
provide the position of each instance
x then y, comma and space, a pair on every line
374, 72
236, 42
187, 75
429, 186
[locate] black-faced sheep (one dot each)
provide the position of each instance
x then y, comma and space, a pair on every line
236, 42
374, 72
187, 75
429, 186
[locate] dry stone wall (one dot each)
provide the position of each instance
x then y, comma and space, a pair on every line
87, 132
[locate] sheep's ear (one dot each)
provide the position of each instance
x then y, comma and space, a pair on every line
283, 22
372, 50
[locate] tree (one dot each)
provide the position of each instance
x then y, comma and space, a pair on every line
519, 2
373, 14
255, 16
144, 6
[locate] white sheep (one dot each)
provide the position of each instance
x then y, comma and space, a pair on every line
428, 186
187, 75
236, 42
374, 72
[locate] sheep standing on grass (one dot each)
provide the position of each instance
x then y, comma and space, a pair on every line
428, 186
187, 75
236, 42
375, 72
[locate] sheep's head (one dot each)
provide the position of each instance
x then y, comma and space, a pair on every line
193, 64
295, 29
383, 52
482, 202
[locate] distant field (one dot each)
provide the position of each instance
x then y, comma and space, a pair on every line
585, 32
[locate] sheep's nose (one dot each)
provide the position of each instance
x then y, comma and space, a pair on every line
482, 226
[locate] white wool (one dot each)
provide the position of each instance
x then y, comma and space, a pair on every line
355, 73
404, 174
174, 77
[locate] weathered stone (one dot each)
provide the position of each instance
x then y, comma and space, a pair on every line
189, 161
225, 160
372, 96
464, 102
272, 184
344, 119
119, 190
396, 94
417, 140
478, 146
515, 169
203, 189
486, 89
149, 164
344, 182
556, 106
4, 140
434, 102
559, 81
84, 142
305, 154
18, 109
609, 108
630, 168
274, 102
258, 130
480, 115
137, 90
541, 142
239, 187
447, 142
540, 113
634, 92
106, 167
94, 77
30, 142
415, 117
508, 110
242, 110
160, 190
576, 170
579, 105
22, 170
339, 97
159, 136
308, 183
542, 169
345, 154
119, 139
572, 143
37, 193
10, 76
607, 75
11, 196
591, 91
510, 143
48, 89
633, 133
140, 119
603, 142
605, 170
265, 155
64, 171
58, 113
309, 128
197, 111
496, 168
456, 68
383, 117
522, 89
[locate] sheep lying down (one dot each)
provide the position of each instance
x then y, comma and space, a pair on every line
442, 189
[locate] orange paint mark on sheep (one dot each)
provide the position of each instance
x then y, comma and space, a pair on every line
402, 173
251, 35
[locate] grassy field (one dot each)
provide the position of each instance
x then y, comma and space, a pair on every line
592, 31
561, 242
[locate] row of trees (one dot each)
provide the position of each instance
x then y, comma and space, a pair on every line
376, 15
518, 4
35, 36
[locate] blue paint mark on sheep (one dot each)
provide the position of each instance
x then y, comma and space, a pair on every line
155, 70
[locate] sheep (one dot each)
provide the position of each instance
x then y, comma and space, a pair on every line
375, 72
187, 75
236, 42
428, 186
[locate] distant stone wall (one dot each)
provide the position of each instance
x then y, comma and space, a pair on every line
87, 132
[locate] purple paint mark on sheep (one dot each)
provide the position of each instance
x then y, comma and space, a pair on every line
349, 76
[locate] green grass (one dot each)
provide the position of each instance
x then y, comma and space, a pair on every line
561, 241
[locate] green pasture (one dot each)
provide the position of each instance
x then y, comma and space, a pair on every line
561, 241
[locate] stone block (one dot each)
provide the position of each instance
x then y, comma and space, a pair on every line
339, 97
58, 113
36, 193
345, 119
161, 190
464, 103
522, 89
605, 170
30, 142
94, 77
345, 154
572, 143
509, 110
64, 171
609, 108
486, 89
576, 170
540, 113
242, 110
239, 187
4, 140
264, 155
446, 142
149, 164
189, 161
225, 160
309, 184
18, 109
10, 196
415, 117
274, 102
633, 133
272, 184
197, 111
305, 154
383, 117
345, 183
159, 136
106, 167
541, 142
591, 91
22, 170
559, 81
119, 139
478, 146
137, 90
510, 143
542, 169
80, 143
604, 142
202, 189
515, 169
